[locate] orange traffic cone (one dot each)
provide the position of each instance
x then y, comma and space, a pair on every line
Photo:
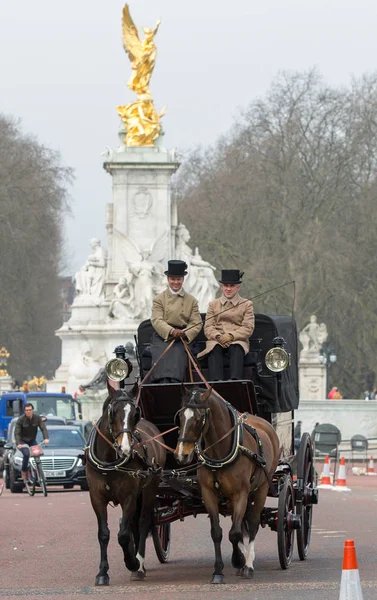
350, 586
371, 470
325, 480
340, 484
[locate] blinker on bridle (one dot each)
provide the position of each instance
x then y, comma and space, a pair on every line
127, 430
202, 421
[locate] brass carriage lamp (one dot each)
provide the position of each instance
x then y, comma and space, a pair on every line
277, 358
120, 367
4, 355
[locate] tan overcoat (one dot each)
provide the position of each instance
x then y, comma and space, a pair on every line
176, 310
238, 320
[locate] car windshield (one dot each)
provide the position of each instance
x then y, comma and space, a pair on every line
61, 406
63, 438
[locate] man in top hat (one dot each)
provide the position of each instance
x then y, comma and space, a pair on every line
229, 324
175, 315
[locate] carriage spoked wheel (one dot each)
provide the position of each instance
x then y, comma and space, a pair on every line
161, 541
286, 522
305, 485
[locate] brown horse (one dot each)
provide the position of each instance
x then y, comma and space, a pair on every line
122, 471
235, 467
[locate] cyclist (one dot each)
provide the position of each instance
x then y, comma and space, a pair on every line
26, 433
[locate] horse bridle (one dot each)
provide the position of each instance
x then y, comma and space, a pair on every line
127, 430
203, 420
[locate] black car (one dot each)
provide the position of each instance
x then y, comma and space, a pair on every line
61, 460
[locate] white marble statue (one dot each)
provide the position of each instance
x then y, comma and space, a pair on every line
90, 278
147, 271
200, 280
84, 365
312, 337
122, 304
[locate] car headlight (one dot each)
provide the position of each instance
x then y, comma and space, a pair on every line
277, 359
79, 462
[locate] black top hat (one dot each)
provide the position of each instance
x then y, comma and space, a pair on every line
176, 268
231, 276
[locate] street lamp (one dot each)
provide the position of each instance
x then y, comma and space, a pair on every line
327, 357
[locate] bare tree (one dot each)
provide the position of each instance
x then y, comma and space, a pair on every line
33, 201
288, 195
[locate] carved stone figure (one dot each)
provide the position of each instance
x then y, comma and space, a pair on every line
200, 281
147, 270
122, 303
84, 366
91, 277
312, 336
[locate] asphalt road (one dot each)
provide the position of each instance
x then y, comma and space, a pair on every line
49, 549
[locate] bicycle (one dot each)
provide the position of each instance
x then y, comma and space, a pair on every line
36, 475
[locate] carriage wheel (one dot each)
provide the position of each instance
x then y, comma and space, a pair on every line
286, 508
306, 482
161, 541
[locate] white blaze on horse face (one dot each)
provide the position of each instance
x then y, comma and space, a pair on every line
188, 414
125, 445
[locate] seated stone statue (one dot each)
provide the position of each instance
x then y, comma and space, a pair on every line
122, 303
201, 281
90, 278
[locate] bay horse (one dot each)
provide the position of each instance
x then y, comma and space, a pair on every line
121, 470
238, 456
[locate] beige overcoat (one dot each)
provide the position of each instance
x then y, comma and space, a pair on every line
238, 320
176, 310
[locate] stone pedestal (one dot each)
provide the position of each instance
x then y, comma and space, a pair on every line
312, 378
141, 223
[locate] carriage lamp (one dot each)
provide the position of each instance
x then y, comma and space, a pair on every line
277, 358
119, 368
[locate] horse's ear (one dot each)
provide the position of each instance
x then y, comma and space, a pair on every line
133, 392
112, 391
206, 395
184, 390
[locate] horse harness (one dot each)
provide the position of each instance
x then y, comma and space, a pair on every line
119, 465
239, 424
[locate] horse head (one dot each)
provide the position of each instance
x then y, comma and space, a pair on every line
192, 419
122, 418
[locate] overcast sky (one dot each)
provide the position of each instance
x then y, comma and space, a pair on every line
64, 70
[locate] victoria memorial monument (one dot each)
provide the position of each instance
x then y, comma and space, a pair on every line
116, 284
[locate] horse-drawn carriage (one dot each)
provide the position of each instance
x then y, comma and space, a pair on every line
201, 421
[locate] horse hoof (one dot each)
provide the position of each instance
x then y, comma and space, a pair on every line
102, 580
217, 579
247, 573
137, 575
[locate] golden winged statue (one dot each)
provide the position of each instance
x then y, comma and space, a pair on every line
140, 117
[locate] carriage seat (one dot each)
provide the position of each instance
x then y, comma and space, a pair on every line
250, 360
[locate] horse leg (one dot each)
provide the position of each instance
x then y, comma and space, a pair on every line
252, 519
239, 505
148, 501
211, 503
125, 537
100, 508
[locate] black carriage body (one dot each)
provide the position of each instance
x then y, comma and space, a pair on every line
273, 396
